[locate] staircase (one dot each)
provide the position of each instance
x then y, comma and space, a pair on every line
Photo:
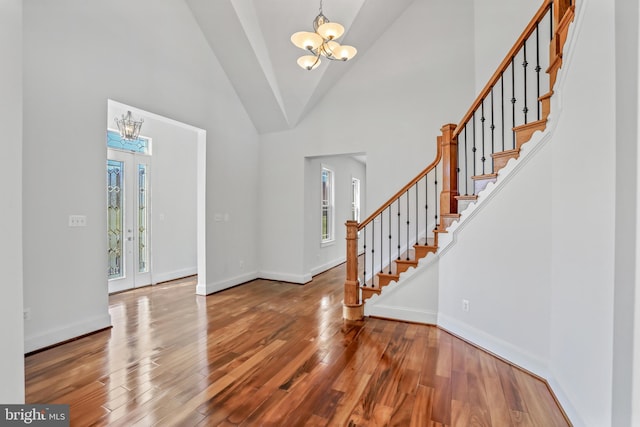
508, 111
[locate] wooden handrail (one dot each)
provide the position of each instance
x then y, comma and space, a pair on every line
529, 29
405, 188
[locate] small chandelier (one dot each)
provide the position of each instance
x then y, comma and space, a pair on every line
129, 128
322, 42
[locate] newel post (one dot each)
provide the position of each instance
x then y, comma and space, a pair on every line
352, 308
448, 201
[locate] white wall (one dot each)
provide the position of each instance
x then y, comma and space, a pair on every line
318, 257
626, 307
635, 392
492, 41
11, 323
173, 179
149, 54
500, 263
173, 183
583, 246
398, 109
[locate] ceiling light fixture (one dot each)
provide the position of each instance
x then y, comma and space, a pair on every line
322, 42
129, 128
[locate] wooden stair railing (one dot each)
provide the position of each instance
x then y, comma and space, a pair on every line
463, 151
500, 121
402, 230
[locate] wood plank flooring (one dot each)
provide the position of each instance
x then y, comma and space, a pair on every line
277, 354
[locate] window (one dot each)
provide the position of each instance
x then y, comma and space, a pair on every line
355, 199
141, 145
327, 206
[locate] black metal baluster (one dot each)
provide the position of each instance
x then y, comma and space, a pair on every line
482, 118
435, 183
525, 64
538, 68
474, 149
417, 222
381, 243
398, 228
502, 106
493, 128
426, 207
466, 163
408, 222
513, 100
364, 258
373, 250
389, 238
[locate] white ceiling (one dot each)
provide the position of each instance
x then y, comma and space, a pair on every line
251, 39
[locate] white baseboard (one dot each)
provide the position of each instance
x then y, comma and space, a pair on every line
399, 313
201, 289
210, 288
64, 333
495, 345
327, 266
172, 275
514, 355
285, 277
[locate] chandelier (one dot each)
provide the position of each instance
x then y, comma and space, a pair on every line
129, 128
322, 42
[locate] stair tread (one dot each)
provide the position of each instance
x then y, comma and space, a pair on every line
485, 176
505, 153
406, 261
383, 274
467, 197
530, 124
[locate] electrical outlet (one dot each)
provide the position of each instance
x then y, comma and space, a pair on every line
465, 305
241, 264
26, 314
77, 221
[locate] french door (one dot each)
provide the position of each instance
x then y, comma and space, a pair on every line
128, 220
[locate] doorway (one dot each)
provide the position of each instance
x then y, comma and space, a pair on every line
174, 201
128, 219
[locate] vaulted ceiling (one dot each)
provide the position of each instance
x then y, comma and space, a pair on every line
251, 39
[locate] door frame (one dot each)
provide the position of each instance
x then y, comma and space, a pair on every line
132, 278
200, 138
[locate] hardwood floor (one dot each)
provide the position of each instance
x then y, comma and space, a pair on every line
277, 354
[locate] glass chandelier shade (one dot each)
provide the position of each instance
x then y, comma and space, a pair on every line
322, 42
128, 127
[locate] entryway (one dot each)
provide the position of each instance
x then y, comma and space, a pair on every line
128, 224
155, 188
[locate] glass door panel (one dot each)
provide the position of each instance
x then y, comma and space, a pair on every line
115, 235
128, 205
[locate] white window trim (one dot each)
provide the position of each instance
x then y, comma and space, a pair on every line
332, 209
355, 204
